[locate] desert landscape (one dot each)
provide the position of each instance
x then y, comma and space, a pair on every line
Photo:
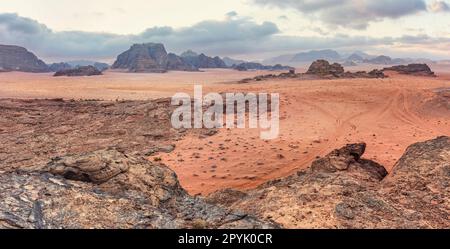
364, 138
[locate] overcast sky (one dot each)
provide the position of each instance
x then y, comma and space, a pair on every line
249, 29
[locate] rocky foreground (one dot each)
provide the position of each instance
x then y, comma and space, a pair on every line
83, 164
343, 190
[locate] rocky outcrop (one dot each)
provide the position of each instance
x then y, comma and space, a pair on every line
152, 58
324, 68
343, 190
412, 69
258, 66
14, 58
79, 71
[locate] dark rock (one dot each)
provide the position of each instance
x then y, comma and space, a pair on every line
147, 196
80, 71
345, 191
97, 167
14, 58
324, 68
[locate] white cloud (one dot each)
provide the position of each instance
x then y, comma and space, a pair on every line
237, 36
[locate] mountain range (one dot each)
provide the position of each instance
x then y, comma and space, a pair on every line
352, 59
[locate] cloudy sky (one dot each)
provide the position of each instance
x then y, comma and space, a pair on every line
249, 29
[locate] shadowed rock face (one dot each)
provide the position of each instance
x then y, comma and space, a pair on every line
150, 57
342, 190
14, 58
79, 71
412, 69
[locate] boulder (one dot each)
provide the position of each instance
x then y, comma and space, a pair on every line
139, 195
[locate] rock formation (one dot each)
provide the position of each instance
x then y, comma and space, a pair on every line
79, 71
152, 58
412, 69
139, 194
342, 190
14, 58
84, 164
324, 68
55, 67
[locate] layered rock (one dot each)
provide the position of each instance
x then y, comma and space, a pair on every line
342, 190
14, 58
150, 57
412, 69
79, 71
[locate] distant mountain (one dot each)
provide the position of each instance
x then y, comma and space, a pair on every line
151, 57
230, 62
202, 61
313, 55
15, 58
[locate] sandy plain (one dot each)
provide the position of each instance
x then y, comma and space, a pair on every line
316, 117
